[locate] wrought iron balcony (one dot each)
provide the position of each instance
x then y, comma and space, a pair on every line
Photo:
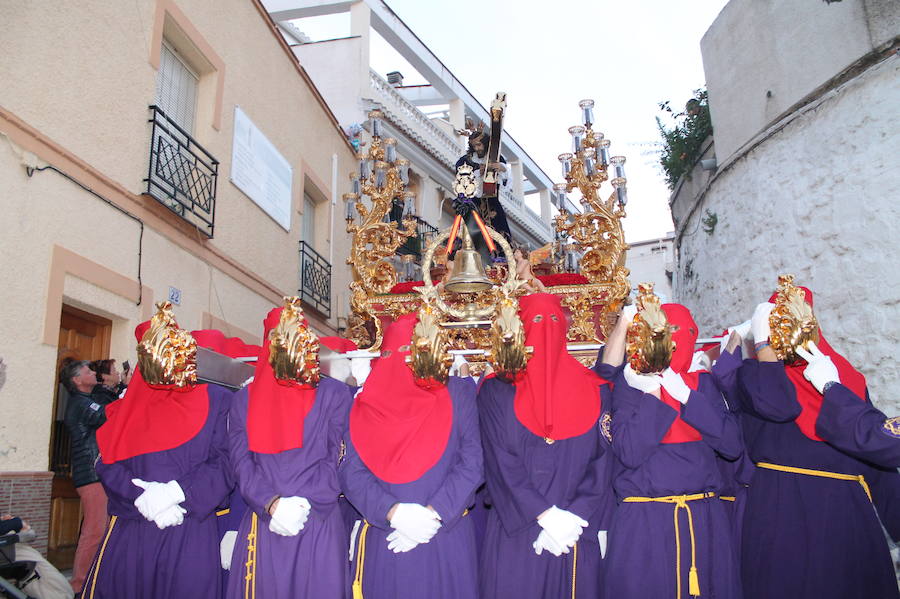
416, 244
182, 175
315, 279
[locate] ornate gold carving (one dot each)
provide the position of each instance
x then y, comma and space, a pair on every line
581, 305
430, 360
791, 321
167, 354
508, 354
597, 231
293, 347
649, 343
375, 240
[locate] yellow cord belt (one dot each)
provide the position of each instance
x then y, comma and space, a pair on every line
574, 566
859, 478
250, 564
680, 501
726, 498
95, 568
360, 562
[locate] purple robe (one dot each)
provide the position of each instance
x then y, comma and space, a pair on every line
445, 567
525, 476
136, 559
312, 564
642, 544
807, 536
858, 428
229, 519
736, 474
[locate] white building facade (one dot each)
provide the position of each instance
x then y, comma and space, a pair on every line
341, 69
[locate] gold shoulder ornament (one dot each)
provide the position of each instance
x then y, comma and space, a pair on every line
791, 321
293, 347
167, 354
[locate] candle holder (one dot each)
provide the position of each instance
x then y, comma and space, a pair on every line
382, 179
595, 233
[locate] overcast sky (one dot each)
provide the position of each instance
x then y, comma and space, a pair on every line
628, 56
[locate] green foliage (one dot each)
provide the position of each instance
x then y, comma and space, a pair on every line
682, 145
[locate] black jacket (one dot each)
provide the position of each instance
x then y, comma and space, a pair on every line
84, 415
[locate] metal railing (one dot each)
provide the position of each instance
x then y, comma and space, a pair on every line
414, 122
416, 244
315, 279
182, 175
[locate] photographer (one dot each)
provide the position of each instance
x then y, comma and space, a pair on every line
85, 412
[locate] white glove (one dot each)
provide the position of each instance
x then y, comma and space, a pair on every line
821, 370
416, 522
563, 526
171, 516
743, 330
400, 543
675, 386
456, 368
759, 324
700, 361
601, 538
157, 497
648, 383
226, 548
289, 516
545, 543
628, 312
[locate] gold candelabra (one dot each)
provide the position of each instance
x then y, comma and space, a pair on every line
382, 178
597, 231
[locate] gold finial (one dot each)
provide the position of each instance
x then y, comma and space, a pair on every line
649, 343
792, 321
167, 354
293, 347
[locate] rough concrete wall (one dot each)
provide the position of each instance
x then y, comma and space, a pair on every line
818, 198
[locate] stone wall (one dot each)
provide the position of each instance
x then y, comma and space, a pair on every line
817, 196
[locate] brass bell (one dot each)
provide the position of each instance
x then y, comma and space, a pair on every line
468, 274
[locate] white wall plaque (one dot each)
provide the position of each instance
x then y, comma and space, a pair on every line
260, 171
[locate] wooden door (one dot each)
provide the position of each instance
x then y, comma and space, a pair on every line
82, 336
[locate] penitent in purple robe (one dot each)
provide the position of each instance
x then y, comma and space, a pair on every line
136, 559
736, 473
858, 428
445, 567
525, 476
642, 543
312, 564
808, 537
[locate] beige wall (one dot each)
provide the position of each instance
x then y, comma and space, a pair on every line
77, 80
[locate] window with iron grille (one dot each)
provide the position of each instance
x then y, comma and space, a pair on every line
181, 175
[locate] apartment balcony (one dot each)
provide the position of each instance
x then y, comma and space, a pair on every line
412, 121
416, 244
315, 280
181, 175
